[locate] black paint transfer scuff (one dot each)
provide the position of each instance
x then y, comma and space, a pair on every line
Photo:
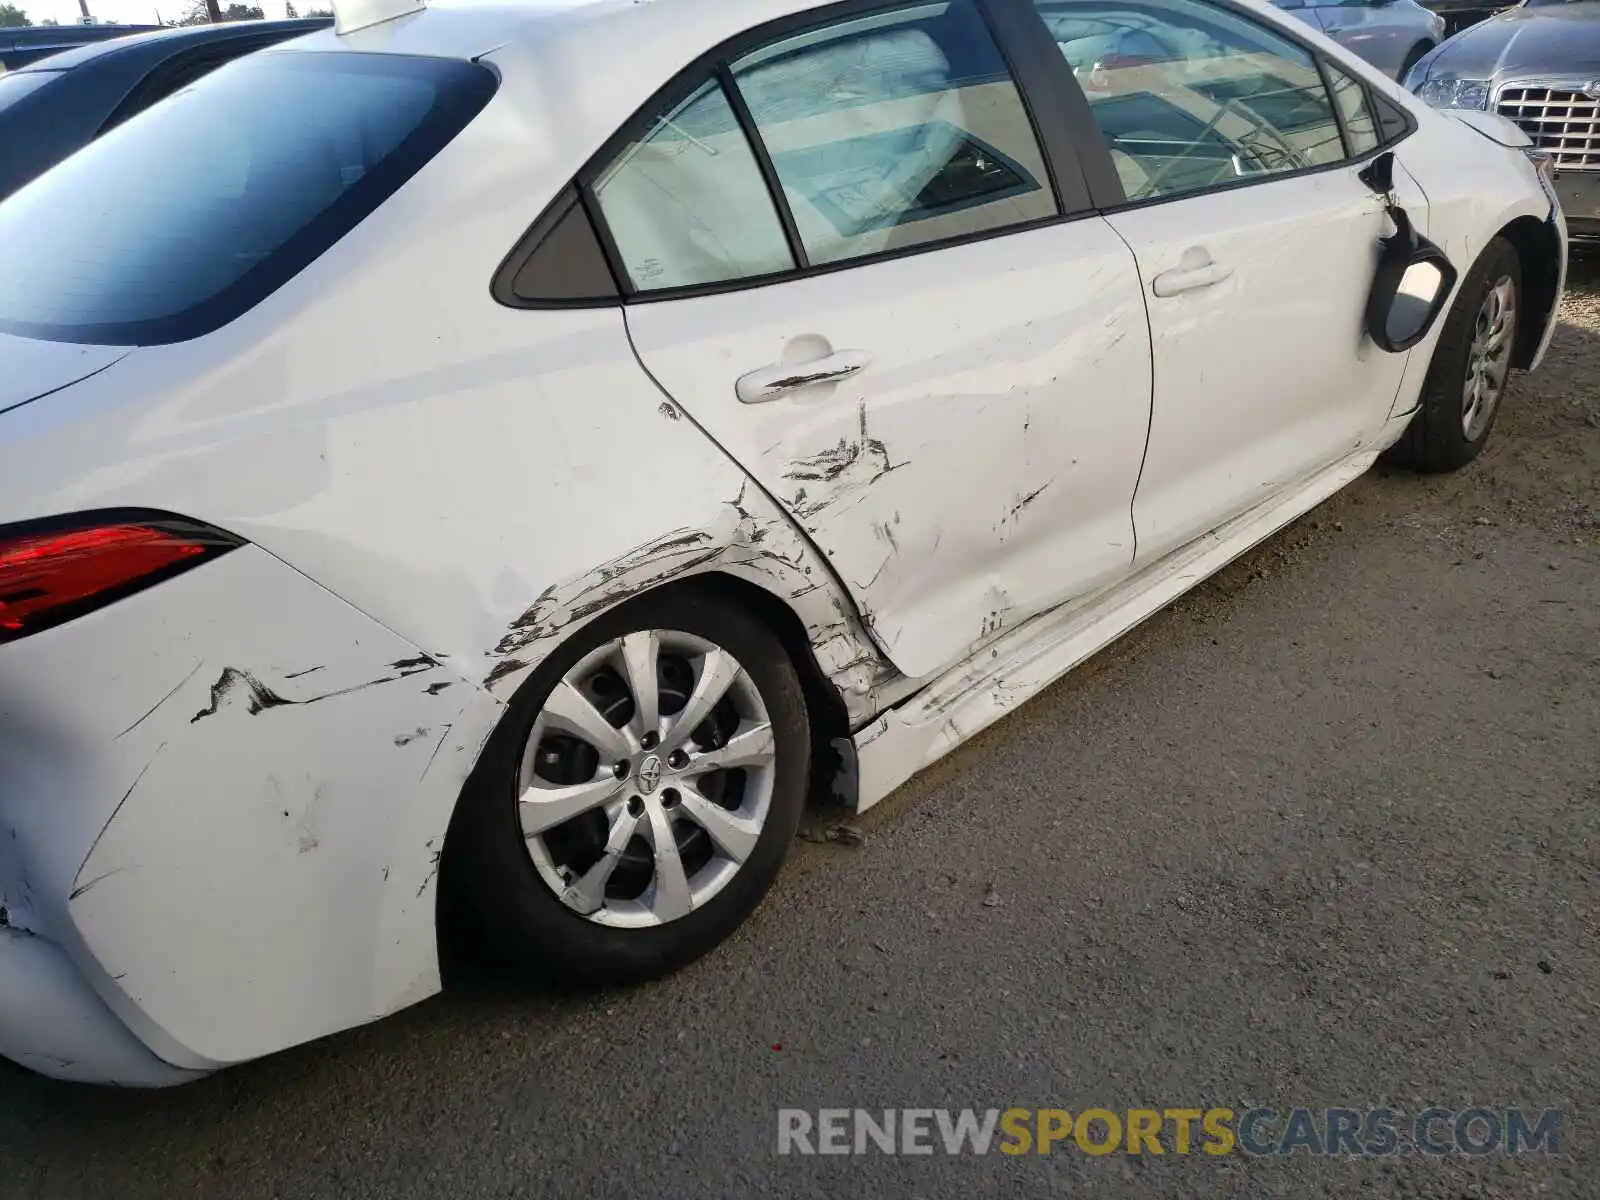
233, 680
259, 697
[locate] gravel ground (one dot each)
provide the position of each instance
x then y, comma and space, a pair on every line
1324, 834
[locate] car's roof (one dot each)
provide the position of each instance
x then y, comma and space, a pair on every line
135, 43
470, 28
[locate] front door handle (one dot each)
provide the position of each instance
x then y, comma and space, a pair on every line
769, 383
1194, 270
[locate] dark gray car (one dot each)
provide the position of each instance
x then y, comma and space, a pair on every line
53, 107
1538, 65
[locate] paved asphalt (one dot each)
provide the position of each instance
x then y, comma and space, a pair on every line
1325, 833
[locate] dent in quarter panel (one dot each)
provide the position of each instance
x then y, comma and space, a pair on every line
260, 870
746, 537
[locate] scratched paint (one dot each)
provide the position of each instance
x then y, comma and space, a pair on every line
746, 537
965, 419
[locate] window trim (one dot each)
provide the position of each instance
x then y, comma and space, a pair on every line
1098, 149
1029, 75
502, 287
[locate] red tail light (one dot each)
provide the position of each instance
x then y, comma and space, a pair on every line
52, 571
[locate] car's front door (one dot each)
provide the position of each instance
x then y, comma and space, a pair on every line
945, 382
1256, 243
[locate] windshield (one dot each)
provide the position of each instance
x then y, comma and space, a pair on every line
200, 207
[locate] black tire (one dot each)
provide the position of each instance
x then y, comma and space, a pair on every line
1412, 59
1436, 441
487, 864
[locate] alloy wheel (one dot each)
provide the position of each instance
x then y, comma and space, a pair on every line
647, 778
1489, 358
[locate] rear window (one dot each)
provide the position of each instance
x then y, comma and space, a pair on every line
197, 209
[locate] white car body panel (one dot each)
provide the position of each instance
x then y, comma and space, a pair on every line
984, 370
967, 700
1245, 404
192, 883
212, 823
35, 368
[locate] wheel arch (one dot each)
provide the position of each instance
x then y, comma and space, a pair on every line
832, 776
826, 704
1538, 250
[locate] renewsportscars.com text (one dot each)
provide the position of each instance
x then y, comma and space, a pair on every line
1330, 1132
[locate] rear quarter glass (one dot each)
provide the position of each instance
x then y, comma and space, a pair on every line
196, 210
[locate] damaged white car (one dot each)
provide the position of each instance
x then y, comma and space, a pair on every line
528, 450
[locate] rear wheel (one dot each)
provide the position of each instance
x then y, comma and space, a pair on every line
640, 796
1470, 369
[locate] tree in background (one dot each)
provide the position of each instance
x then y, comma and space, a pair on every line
210, 12
288, 10
12, 17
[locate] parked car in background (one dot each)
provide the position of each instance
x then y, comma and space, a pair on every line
56, 105
523, 451
1460, 14
19, 47
1390, 34
1537, 65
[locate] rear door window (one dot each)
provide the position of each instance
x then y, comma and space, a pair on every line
264, 164
875, 136
896, 130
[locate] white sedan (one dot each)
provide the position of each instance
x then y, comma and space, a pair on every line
526, 451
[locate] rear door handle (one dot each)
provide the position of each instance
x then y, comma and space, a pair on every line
1189, 277
769, 383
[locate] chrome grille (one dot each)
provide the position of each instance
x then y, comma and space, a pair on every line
1561, 120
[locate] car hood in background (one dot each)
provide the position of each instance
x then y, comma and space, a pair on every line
1493, 126
30, 368
1559, 39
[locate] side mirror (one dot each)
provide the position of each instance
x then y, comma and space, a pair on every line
1412, 284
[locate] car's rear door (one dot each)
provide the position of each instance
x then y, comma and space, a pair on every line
940, 370
1237, 157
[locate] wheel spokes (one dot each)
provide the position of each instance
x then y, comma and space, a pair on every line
749, 747
734, 835
718, 670
645, 782
669, 897
570, 710
641, 653
543, 808
587, 893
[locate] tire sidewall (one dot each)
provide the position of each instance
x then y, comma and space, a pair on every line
1436, 441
